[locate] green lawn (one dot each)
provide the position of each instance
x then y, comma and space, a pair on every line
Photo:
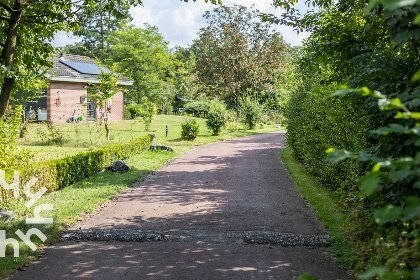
71, 138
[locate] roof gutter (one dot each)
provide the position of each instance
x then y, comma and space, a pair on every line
84, 80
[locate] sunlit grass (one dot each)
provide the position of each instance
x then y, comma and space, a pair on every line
89, 136
334, 217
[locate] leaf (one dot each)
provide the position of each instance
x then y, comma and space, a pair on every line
343, 92
383, 104
335, 156
412, 209
408, 115
371, 5
400, 174
397, 103
416, 76
393, 4
387, 214
369, 183
381, 131
376, 167
374, 272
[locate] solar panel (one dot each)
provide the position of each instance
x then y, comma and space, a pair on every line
84, 68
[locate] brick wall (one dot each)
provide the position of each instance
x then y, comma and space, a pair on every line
64, 98
116, 113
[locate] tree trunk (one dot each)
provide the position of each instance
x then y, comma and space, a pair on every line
107, 130
8, 55
106, 124
238, 106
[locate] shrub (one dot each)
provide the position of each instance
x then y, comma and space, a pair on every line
252, 112
10, 156
147, 110
217, 118
132, 111
61, 173
190, 129
197, 109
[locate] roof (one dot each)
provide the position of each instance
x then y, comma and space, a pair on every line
61, 70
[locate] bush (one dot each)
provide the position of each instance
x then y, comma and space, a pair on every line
190, 129
197, 109
217, 118
57, 174
10, 156
252, 112
146, 111
132, 111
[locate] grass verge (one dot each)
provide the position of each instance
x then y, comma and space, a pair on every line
333, 216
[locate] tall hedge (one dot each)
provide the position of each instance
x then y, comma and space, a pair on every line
60, 173
317, 122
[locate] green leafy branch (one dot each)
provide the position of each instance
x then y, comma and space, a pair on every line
394, 169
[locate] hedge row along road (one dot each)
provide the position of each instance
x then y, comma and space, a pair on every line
222, 211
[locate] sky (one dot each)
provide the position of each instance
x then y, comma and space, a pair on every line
179, 22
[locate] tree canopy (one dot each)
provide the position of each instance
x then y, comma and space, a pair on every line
236, 52
143, 55
97, 23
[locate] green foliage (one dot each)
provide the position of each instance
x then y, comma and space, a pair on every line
10, 156
190, 129
236, 52
307, 276
101, 93
252, 112
316, 123
217, 118
198, 108
98, 22
352, 43
133, 111
57, 174
143, 55
393, 184
147, 111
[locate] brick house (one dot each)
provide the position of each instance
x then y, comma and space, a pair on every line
66, 99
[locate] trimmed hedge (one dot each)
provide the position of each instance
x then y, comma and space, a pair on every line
60, 173
317, 122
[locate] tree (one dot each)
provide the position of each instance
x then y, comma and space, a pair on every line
143, 55
183, 78
236, 52
27, 29
95, 26
147, 111
102, 93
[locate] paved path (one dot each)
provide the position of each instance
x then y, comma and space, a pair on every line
227, 210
